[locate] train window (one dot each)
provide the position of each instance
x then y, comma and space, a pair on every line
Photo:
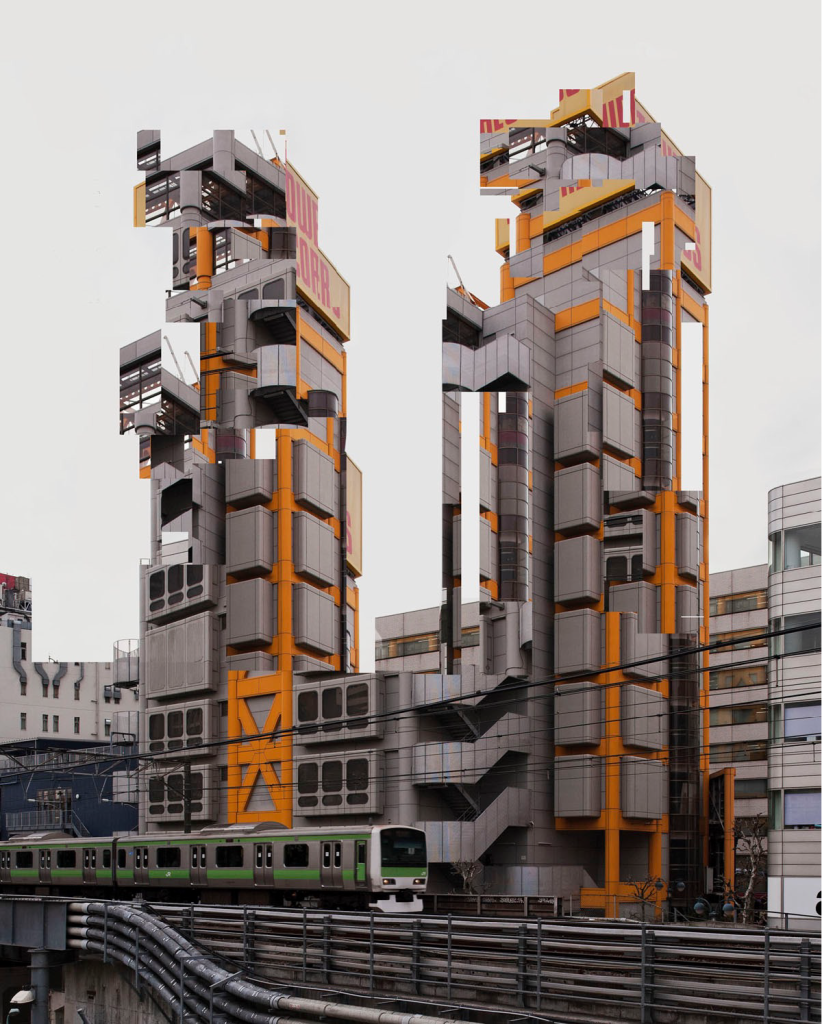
332, 776
42, 858
194, 856
356, 703
326, 855
337, 855
295, 855
86, 858
48, 858
307, 706
66, 858
307, 777
229, 856
25, 859
94, 858
121, 858
106, 858
202, 856
332, 702
168, 856
258, 854
361, 853
138, 857
269, 856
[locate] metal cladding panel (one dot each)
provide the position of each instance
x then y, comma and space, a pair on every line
316, 553
251, 612
577, 500
456, 540
177, 591
487, 551
249, 481
644, 717
619, 419
687, 610
573, 440
640, 598
313, 614
328, 711
578, 714
342, 783
619, 351
578, 786
180, 657
577, 570
617, 477
637, 647
33, 924
487, 490
577, 641
643, 788
314, 477
251, 541
687, 544
180, 728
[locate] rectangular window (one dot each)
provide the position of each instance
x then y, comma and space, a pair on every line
733, 603
45, 723
802, 808
66, 858
55, 723
229, 856
775, 552
803, 546
106, 858
750, 789
808, 633
24, 859
107, 727
295, 855
23, 721
727, 753
745, 639
23, 651
76, 726
802, 721
747, 675
740, 714
168, 856
45, 687
77, 691
121, 858
23, 687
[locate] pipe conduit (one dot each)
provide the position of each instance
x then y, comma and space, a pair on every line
116, 928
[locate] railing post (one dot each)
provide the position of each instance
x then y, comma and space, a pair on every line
539, 963
327, 948
415, 954
646, 976
371, 952
766, 981
522, 962
449, 956
305, 942
805, 979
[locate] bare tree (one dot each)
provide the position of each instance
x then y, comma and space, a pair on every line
751, 839
467, 871
646, 891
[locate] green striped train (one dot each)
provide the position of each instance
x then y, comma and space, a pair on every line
382, 867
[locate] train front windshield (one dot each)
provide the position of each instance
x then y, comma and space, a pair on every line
403, 848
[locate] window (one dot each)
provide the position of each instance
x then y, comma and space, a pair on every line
45, 687
106, 858
808, 636
295, 855
23, 687
194, 726
121, 858
307, 706
307, 782
775, 552
356, 780
743, 675
332, 783
741, 714
229, 856
733, 603
803, 546
802, 721
174, 730
107, 727
66, 858
168, 856
802, 808
356, 703
750, 789
726, 753
745, 639
332, 702
55, 689
76, 726
23, 721
23, 650
24, 859
55, 723
45, 723
77, 690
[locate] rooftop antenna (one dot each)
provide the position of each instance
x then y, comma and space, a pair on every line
465, 291
276, 154
193, 367
174, 357
256, 143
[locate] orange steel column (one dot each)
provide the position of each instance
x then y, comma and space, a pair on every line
705, 576
523, 232
613, 748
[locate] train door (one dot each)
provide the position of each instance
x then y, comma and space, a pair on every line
141, 865
263, 864
199, 867
89, 865
331, 865
45, 866
360, 865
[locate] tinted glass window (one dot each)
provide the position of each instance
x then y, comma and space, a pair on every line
175, 578
307, 778
356, 773
332, 776
295, 855
66, 858
121, 858
168, 856
156, 727
194, 722
402, 847
332, 702
802, 720
356, 700
307, 706
24, 859
229, 856
156, 585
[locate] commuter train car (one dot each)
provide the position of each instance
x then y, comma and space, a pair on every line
383, 867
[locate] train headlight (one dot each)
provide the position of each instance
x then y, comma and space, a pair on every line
419, 881
389, 881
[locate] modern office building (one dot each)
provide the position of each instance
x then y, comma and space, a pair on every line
795, 751
553, 731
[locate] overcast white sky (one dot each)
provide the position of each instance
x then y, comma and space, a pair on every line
381, 104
